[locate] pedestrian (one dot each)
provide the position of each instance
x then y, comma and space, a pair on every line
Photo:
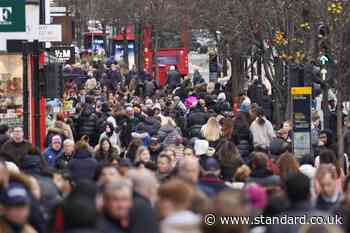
117, 204
175, 200
164, 167
83, 165
229, 159
143, 216
262, 130
212, 132
54, 151
210, 182
15, 148
16, 201
110, 134
62, 161
329, 195
106, 152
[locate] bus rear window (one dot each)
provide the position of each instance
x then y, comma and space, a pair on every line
167, 60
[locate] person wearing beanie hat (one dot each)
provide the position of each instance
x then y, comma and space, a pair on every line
53, 151
15, 200
210, 183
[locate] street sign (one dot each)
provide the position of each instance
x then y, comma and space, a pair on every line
62, 54
12, 16
50, 33
301, 103
324, 60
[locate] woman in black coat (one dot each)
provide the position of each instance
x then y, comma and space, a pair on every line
87, 124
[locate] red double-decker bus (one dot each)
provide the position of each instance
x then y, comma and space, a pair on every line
155, 62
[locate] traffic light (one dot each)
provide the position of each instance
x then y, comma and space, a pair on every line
53, 85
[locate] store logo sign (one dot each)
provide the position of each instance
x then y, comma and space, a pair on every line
5, 14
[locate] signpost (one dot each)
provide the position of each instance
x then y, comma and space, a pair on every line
62, 54
301, 103
12, 16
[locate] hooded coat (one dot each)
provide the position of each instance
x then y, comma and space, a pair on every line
83, 165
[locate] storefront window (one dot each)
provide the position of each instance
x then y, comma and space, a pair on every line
11, 94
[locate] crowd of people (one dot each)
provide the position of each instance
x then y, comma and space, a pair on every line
139, 158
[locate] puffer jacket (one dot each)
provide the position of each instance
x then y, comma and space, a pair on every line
165, 131
87, 126
151, 125
197, 118
243, 139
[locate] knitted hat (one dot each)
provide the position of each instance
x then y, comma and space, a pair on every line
56, 139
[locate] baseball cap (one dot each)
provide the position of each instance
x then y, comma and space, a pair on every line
211, 164
15, 195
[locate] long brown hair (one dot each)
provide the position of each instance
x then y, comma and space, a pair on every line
227, 128
287, 165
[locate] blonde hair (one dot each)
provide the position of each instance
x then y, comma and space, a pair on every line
211, 131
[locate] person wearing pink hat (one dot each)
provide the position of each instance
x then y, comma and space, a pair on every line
53, 151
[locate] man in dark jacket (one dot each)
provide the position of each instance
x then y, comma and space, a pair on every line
83, 165
61, 163
15, 148
4, 134
143, 217
117, 203
298, 192
173, 78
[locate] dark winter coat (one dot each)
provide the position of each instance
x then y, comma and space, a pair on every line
197, 117
243, 139
143, 217
222, 106
108, 225
61, 162
149, 88
151, 125
87, 125
82, 166
12, 151
173, 79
